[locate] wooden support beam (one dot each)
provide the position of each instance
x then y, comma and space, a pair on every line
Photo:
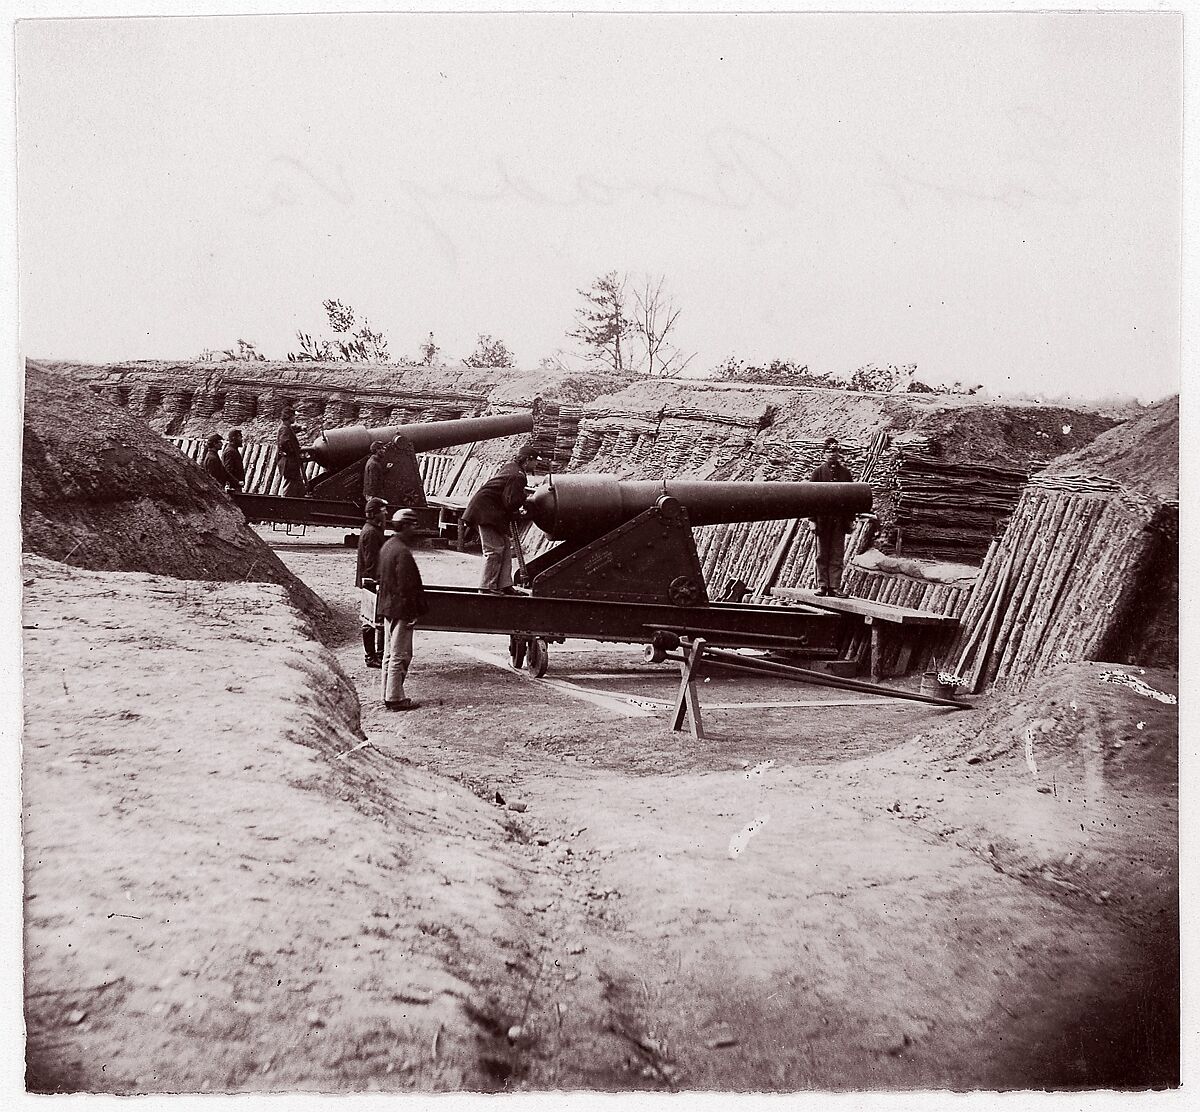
687, 703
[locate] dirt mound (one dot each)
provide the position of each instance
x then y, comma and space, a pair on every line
1005, 435
100, 489
1109, 723
1142, 455
226, 887
1075, 783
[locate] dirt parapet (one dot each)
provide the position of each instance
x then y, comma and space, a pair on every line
99, 489
227, 888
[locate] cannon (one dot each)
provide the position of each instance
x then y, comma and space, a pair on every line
336, 495
342, 447
625, 568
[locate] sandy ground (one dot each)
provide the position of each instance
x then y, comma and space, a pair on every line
231, 887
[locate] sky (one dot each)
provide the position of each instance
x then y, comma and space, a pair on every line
993, 197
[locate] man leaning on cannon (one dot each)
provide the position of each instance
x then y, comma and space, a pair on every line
493, 510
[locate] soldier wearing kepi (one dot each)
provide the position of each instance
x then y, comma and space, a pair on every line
212, 462
493, 509
375, 471
401, 602
366, 579
290, 459
231, 457
831, 530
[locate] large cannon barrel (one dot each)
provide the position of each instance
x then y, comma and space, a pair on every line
337, 448
583, 507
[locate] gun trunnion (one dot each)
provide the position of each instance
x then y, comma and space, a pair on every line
626, 569
336, 496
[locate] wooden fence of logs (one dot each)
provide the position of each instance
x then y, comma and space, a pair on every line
1051, 589
1056, 577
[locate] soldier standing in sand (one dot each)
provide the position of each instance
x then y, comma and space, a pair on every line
401, 602
231, 457
212, 462
831, 529
366, 579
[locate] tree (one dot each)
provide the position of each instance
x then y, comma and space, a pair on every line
602, 322
883, 379
365, 346
654, 317
489, 353
429, 352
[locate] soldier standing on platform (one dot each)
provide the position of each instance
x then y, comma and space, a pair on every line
290, 459
830, 530
375, 472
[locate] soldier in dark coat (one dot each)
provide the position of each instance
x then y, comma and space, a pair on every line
366, 579
212, 462
289, 458
831, 530
231, 457
401, 602
493, 509
375, 472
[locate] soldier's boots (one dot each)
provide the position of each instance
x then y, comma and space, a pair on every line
374, 657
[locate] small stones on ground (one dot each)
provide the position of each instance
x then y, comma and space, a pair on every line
542, 840
313, 1018
572, 975
1045, 789
515, 1032
575, 948
498, 798
517, 805
76, 1017
974, 758
543, 905
721, 1037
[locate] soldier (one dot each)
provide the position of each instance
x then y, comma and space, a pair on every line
212, 461
493, 509
231, 457
375, 471
366, 579
401, 602
290, 458
831, 530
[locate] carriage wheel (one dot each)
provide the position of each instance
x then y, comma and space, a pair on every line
516, 650
538, 657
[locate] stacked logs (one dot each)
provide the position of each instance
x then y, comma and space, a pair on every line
1051, 589
950, 511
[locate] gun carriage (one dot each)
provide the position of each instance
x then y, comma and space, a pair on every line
625, 569
336, 495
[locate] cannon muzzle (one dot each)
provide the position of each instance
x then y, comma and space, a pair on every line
338, 448
583, 507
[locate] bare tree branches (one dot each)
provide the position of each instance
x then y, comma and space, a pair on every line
654, 317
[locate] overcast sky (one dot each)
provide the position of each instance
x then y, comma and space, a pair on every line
995, 198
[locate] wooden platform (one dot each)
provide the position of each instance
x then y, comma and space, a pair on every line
878, 616
878, 611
